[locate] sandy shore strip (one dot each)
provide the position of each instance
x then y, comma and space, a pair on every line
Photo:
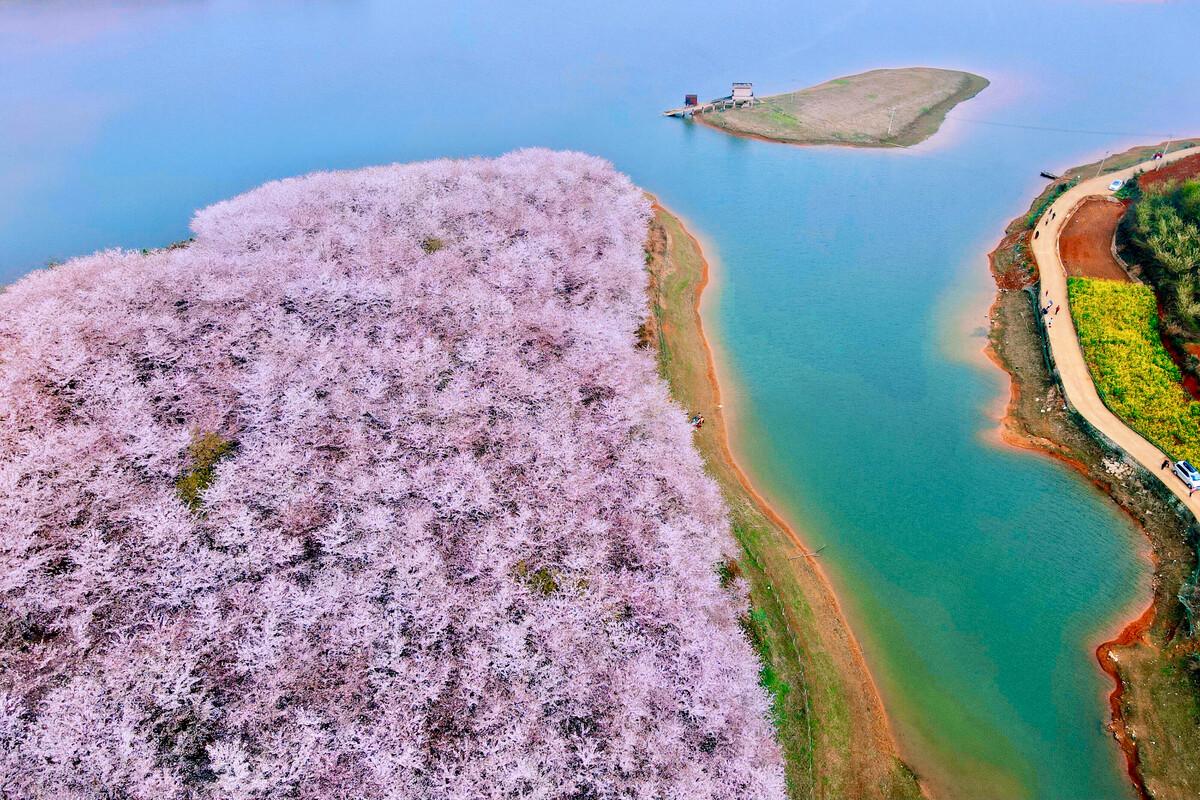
834, 730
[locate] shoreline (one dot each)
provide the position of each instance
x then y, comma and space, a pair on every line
853, 673
758, 137
764, 505
1014, 332
1132, 630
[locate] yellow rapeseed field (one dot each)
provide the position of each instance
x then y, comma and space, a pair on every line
1118, 329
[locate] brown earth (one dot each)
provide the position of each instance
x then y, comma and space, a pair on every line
1086, 242
1180, 170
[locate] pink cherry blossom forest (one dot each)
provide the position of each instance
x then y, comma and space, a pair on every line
366, 493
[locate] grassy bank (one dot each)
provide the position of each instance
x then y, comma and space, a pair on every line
880, 108
1156, 710
829, 720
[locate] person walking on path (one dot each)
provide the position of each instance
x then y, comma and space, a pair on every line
1166, 463
1056, 308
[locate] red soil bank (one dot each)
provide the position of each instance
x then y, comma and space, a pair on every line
1086, 241
1180, 170
1134, 632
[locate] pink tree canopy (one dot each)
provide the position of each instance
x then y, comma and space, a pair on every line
443, 534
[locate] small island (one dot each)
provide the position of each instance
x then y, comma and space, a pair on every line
880, 108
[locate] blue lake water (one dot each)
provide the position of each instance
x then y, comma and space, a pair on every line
851, 283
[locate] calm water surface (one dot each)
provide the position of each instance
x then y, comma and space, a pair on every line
850, 281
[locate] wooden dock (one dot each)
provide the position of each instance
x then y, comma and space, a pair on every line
712, 105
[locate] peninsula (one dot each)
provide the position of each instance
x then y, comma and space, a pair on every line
366, 490
1063, 248
880, 108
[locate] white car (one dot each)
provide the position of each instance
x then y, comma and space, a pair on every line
1188, 474
1115, 185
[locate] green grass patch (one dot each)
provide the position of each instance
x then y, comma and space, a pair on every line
204, 453
756, 625
1049, 198
1118, 329
542, 580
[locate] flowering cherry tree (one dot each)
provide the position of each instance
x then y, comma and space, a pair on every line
366, 493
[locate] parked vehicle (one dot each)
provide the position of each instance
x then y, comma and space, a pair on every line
1188, 474
1115, 185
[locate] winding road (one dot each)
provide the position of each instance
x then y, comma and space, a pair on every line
1064, 342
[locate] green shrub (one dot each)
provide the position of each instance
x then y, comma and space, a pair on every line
1118, 330
1187, 199
1131, 190
205, 451
1172, 241
1053, 195
544, 581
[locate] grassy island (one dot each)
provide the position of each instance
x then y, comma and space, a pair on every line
880, 108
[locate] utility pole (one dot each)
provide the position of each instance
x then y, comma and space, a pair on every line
1107, 153
891, 116
1166, 150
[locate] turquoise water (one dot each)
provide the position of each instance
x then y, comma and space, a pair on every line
850, 282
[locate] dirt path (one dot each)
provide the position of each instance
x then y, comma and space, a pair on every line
1086, 244
1064, 342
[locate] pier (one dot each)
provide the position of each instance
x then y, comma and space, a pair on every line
712, 105
742, 95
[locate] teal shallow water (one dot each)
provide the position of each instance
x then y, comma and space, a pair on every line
977, 578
